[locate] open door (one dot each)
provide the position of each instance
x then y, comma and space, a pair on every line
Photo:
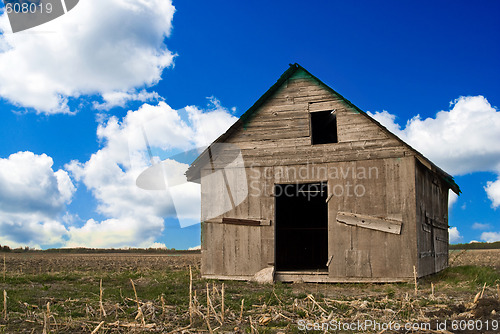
301, 227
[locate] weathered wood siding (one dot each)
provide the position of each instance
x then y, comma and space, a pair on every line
276, 143
239, 250
362, 252
432, 221
279, 132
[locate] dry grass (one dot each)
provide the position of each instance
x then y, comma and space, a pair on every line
127, 293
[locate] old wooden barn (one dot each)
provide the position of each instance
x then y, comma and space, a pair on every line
308, 184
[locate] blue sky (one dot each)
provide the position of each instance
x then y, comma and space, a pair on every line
74, 91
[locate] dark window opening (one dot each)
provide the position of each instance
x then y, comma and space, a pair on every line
301, 226
324, 127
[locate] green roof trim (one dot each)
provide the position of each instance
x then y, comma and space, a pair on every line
294, 68
248, 115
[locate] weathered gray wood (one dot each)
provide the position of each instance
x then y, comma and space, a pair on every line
229, 253
267, 245
239, 221
357, 263
206, 250
227, 277
276, 158
215, 241
254, 263
322, 106
370, 222
242, 252
322, 278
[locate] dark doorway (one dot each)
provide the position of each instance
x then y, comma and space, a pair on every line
301, 226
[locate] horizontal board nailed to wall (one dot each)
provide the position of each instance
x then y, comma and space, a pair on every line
370, 222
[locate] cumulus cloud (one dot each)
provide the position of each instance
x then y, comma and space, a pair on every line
135, 216
459, 140
112, 48
455, 235
490, 236
158, 245
33, 198
493, 192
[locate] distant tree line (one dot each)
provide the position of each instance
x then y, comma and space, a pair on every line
477, 245
116, 250
98, 250
6, 248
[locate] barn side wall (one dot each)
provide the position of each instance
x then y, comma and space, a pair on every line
432, 221
366, 253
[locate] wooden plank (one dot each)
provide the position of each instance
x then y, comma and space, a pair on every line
242, 253
279, 124
322, 106
303, 146
254, 263
357, 263
229, 252
239, 221
268, 135
267, 245
281, 108
228, 277
316, 96
255, 192
285, 159
321, 278
370, 222
312, 278
206, 250
216, 245
282, 143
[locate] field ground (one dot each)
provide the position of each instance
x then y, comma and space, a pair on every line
61, 293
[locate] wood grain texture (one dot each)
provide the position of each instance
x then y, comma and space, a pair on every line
370, 222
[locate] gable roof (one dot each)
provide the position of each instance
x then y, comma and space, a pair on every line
193, 172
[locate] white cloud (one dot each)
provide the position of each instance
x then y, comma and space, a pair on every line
479, 226
195, 248
461, 140
455, 236
110, 48
33, 199
34, 196
207, 125
493, 192
452, 198
120, 99
158, 245
116, 233
135, 216
490, 236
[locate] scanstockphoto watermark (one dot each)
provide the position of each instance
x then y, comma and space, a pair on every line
361, 326
378, 326
343, 181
